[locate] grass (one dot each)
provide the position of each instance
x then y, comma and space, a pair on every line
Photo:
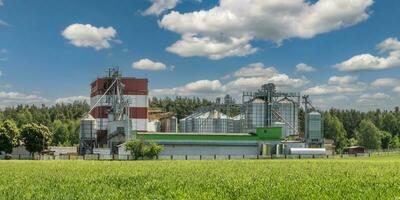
355, 178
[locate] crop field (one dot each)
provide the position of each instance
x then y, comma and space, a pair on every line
352, 178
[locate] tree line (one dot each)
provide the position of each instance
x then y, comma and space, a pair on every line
373, 129
38, 127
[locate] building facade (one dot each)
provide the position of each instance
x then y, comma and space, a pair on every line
135, 91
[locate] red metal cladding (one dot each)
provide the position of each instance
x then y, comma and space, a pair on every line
134, 112
133, 86
100, 112
138, 113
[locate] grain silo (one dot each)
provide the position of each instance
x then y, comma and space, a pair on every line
314, 135
288, 111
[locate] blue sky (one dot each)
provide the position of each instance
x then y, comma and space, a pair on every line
347, 50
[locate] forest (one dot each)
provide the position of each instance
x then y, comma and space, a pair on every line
378, 129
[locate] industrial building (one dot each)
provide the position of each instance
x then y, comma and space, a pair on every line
265, 119
119, 105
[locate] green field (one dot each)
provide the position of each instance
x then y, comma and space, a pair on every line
351, 178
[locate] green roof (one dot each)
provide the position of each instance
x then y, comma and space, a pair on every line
262, 134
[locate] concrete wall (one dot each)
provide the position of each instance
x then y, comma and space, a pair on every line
63, 150
209, 150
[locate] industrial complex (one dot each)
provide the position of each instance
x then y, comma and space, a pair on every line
265, 122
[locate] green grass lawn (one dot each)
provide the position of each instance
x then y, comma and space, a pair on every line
355, 178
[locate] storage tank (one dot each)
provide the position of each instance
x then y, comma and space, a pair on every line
289, 112
307, 151
88, 128
169, 125
313, 128
255, 114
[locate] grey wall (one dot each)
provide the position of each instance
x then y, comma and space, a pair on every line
209, 150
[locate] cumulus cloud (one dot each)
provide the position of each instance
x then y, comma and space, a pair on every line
191, 45
254, 70
373, 98
334, 89
72, 99
342, 80
147, 64
230, 26
159, 6
365, 62
86, 35
302, 67
385, 82
248, 78
201, 87
15, 98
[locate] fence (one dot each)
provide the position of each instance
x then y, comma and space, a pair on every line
203, 157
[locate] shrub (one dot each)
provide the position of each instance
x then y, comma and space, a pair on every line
139, 149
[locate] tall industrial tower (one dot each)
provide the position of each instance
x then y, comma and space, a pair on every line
119, 105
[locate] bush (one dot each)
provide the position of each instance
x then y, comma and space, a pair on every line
139, 149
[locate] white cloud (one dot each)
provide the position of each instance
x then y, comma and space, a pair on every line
342, 80
191, 45
159, 6
86, 35
390, 44
248, 20
1, 73
385, 82
369, 62
1, 3
282, 81
373, 98
201, 87
15, 98
147, 64
396, 89
335, 89
248, 78
302, 67
254, 70
68, 100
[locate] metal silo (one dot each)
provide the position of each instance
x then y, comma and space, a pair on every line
314, 134
289, 112
255, 114
88, 128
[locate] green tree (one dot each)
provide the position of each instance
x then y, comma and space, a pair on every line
395, 143
9, 136
333, 129
368, 135
390, 124
60, 133
35, 137
5, 141
386, 139
139, 149
152, 150
24, 117
136, 148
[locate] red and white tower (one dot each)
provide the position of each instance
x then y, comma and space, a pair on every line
135, 92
